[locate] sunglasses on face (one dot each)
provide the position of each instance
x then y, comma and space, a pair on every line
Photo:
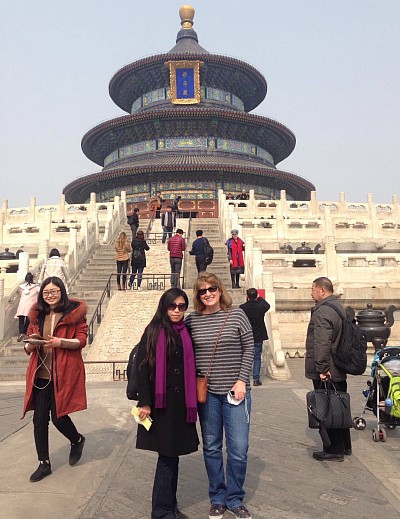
180, 306
203, 291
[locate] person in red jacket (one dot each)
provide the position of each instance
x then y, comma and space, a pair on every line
55, 377
235, 256
176, 245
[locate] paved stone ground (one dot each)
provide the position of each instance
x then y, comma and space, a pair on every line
114, 480
284, 481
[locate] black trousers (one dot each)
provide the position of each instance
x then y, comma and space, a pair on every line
23, 323
134, 231
164, 489
201, 264
340, 438
45, 403
235, 280
122, 266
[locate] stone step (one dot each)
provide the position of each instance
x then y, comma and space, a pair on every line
14, 349
11, 361
12, 373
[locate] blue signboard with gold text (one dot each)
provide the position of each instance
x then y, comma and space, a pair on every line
184, 81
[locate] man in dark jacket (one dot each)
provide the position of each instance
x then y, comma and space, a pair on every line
323, 336
176, 245
168, 222
133, 221
255, 309
198, 251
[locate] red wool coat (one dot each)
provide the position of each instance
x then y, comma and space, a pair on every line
68, 371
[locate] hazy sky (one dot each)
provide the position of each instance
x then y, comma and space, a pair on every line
332, 68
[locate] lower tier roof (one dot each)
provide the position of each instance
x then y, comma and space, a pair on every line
186, 167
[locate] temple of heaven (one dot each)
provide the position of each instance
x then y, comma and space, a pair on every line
188, 131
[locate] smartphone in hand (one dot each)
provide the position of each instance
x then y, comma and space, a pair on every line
35, 342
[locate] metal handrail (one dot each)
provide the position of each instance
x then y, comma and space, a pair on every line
186, 258
153, 281
118, 374
97, 313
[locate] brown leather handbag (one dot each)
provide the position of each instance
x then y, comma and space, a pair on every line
202, 381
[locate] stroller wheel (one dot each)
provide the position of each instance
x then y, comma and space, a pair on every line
359, 423
379, 435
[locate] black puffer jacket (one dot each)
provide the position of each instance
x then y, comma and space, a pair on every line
139, 258
323, 335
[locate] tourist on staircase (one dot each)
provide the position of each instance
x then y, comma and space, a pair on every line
123, 249
235, 255
29, 294
176, 245
160, 201
133, 222
198, 251
138, 260
168, 222
54, 266
55, 377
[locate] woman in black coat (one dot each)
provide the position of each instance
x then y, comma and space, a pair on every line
138, 259
167, 392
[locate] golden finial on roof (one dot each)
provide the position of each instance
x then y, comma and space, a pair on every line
186, 13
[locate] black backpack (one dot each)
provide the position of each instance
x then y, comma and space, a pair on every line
351, 353
131, 371
208, 252
137, 253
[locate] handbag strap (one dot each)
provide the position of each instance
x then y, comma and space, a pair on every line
216, 343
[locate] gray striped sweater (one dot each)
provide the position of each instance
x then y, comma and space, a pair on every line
235, 351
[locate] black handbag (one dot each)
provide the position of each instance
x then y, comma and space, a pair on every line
328, 408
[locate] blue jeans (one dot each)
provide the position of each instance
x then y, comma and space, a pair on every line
139, 271
215, 415
257, 360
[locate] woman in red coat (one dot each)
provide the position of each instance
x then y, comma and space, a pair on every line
235, 256
55, 377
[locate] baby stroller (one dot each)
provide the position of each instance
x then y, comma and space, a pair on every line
383, 393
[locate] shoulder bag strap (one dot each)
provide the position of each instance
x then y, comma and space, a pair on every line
216, 342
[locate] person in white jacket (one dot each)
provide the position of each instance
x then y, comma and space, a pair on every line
54, 266
29, 294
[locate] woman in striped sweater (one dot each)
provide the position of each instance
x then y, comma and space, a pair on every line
215, 318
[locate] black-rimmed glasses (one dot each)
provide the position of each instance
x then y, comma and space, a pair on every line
173, 306
203, 291
48, 293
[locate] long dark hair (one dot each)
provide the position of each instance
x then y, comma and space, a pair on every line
64, 303
29, 278
161, 320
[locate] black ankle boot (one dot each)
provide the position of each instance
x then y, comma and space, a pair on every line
43, 470
76, 451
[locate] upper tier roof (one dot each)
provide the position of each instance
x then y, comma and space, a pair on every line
217, 71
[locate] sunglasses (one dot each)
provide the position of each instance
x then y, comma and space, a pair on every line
203, 291
180, 306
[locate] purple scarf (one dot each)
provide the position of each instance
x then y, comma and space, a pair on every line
189, 371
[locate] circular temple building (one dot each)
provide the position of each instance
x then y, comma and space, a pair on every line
188, 132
